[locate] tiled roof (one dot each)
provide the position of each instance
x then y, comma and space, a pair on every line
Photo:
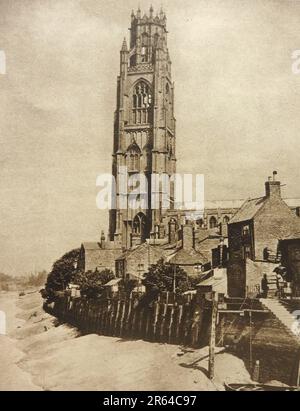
187, 256
248, 210
140, 248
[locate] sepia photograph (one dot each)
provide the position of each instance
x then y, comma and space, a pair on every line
150, 198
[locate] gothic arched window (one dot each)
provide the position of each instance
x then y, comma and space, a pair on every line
213, 222
145, 48
139, 225
141, 103
200, 222
133, 161
226, 219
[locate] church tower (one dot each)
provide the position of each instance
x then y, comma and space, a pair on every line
144, 126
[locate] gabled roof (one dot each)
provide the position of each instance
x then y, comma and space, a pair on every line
114, 281
248, 210
186, 257
142, 248
91, 246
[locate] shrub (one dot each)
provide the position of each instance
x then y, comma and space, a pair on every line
161, 277
62, 273
92, 283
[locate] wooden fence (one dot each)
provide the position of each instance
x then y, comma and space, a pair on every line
168, 319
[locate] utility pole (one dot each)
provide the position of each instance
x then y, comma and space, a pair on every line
212, 342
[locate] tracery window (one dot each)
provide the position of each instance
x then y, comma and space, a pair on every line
141, 103
139, 225
133, 161
145, 46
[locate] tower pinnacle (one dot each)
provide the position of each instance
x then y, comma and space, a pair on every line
124, 45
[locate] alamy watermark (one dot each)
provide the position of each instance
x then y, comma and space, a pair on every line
156, 191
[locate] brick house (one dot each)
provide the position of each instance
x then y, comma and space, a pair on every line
253, 234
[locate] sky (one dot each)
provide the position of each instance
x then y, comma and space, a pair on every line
236, 103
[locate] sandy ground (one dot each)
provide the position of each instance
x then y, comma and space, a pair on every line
38, 354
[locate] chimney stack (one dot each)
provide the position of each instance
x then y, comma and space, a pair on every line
273, 187
188, 240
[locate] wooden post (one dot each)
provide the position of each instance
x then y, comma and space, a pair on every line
212, 342
250, 343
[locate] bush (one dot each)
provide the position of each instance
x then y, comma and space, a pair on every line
160, 277
62, 273
92, 283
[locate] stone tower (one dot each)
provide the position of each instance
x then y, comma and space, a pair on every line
144, 126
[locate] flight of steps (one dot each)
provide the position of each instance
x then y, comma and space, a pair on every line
280, 311
272, 284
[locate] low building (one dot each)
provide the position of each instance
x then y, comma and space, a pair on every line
134, 263
185, 256
113, 285
100, 256
253, 234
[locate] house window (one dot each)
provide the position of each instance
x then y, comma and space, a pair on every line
246, 231
247, 252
